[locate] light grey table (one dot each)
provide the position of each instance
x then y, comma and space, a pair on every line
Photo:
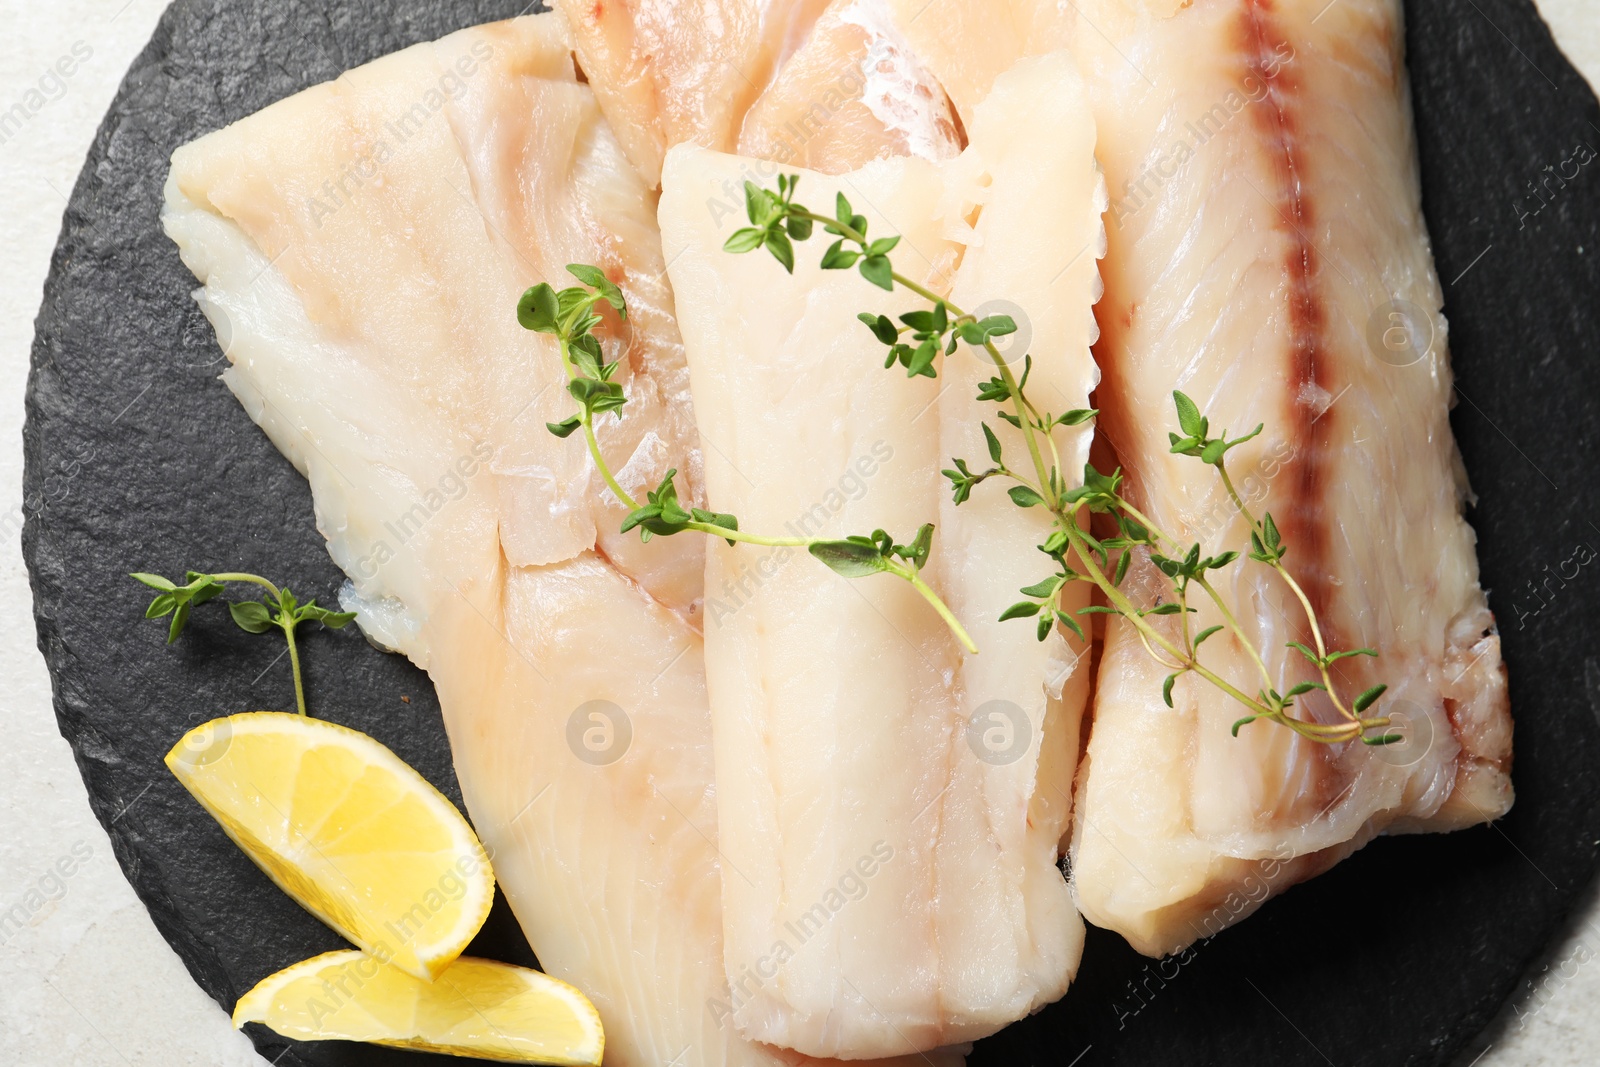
89, 981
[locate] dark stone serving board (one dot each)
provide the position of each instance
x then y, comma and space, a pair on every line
138, 459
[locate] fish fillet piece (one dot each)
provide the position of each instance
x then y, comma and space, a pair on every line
361, 260
672, 72
1033, 254
826, 84
1268, 256
891, 881
853, 92
943, 32
631, 841
832, 714
371, 276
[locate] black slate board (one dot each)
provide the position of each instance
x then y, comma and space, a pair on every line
138, 459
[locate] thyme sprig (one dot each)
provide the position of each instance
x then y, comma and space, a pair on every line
570, 316
915, 342
277, 609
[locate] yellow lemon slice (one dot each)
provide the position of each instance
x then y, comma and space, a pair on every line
345, 827
476, 1008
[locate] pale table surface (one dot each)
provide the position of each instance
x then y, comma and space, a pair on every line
90, 982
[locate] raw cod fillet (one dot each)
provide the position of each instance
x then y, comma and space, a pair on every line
361, 247
942, 32
890, 882
822, 84
1266, 243
853, 90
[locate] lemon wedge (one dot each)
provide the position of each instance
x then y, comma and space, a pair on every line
476, 1008
345, 827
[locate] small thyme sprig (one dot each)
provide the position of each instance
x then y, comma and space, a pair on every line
278, 608
777, 220
569, 315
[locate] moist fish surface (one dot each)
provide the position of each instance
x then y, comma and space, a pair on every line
941, 33
822, 84
361, 248
1268, 256
891, 806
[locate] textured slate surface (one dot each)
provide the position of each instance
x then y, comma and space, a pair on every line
138, 459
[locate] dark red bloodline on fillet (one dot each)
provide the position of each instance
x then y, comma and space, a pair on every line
1276, 118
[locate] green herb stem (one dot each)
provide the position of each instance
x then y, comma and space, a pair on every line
911, 575
588, 433
627, 499
1300, 595
294, 664
1233, 627
777, 221
1125, 608
566, 326
753, 539
236, 576
1019, 407
280, 609
1228, 617
285, 622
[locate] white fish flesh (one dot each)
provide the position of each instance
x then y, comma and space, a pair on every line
1268, 256
361, 247
853, 91
891, 883
942, 34
821, 84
